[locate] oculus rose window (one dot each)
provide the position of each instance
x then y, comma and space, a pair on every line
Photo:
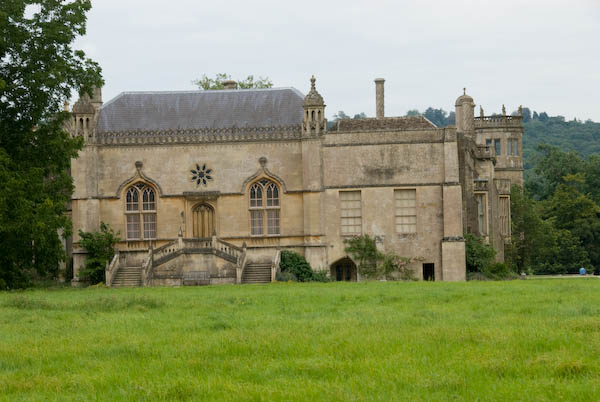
201, 175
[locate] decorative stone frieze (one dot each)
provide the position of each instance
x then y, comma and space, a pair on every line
192, 136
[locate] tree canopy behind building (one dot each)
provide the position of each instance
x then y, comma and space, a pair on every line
207, 83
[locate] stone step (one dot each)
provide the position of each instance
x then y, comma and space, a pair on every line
128, 277
257, 273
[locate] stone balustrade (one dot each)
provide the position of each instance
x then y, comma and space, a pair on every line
498, 121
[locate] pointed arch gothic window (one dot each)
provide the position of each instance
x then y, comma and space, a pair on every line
140, 216
264, 208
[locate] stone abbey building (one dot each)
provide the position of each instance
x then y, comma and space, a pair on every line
209, 186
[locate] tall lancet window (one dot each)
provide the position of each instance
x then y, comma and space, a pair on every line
264, 208
140, 212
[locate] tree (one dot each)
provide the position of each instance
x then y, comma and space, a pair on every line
533, 243
436, 116
340, 115
526, 114
573, 211
479, 255
207, 83
100, 248
38, 71
552, 165
439, 117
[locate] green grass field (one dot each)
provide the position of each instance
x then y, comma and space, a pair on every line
519, 340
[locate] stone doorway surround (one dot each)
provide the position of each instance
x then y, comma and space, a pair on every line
203, 220
344, 270
199, 217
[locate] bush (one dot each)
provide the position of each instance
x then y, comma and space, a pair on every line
498, 270
296, 264
363, 250
294, 267
285, 277
480, 256
394, 264
99, 246
320, 276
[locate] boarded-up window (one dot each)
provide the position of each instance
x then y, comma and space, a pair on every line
406, 211
504, 206
351, 213
513, 146
481, 214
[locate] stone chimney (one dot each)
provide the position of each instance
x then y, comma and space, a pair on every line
229, 84
379, 113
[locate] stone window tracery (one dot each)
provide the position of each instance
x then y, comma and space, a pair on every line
264, 208
140, 216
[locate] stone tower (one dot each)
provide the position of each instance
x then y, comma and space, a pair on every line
85, 114
313, 122
465, 113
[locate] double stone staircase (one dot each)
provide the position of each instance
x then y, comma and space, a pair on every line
120, 273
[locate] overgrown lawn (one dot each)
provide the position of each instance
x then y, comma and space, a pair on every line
519, 340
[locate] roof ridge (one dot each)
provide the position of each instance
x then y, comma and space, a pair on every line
204, 91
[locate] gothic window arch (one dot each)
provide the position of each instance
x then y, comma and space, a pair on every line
140, 212
264, 208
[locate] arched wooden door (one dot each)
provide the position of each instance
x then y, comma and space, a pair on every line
344, 270
204, 220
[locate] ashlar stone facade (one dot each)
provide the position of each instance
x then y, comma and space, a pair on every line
209, 186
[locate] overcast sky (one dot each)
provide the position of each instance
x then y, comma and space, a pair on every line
541, 54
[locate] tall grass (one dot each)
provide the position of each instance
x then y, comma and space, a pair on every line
519, 340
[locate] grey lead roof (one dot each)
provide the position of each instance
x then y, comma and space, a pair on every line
132, 111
